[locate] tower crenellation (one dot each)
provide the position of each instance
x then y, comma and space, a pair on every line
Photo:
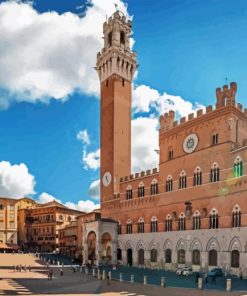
226, 96
116, 56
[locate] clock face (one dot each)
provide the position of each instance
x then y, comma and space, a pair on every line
106, 179
190, 143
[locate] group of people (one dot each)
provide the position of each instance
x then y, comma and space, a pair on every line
22, 267
50, 273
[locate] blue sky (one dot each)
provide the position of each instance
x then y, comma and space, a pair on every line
185, 50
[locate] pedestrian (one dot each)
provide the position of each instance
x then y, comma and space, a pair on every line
61, 271
213, 280
108, 280
51, 274
197, 277
240, 274
48, 274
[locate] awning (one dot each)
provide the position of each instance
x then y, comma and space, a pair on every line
13, 246
9, 246
4, 246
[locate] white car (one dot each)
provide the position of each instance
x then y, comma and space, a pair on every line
187, 271
179, 271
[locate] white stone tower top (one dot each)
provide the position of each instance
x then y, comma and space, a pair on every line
116, 56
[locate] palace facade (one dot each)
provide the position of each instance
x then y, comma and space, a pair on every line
191, 210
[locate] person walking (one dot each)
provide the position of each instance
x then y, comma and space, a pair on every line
61, 272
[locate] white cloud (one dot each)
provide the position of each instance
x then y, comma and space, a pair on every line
47, 55
45, 197
83, 136
15, 180
83, 205
94, 189
145, 138
91, 160
145, 98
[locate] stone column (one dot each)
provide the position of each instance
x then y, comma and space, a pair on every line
114, 252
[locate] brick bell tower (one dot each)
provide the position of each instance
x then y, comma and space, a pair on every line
116, 65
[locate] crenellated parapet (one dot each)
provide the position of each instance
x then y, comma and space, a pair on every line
146, 173
225, 98
226, 95
116, 56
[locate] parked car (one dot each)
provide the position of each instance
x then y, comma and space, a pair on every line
215, 272
179, 271
187, 271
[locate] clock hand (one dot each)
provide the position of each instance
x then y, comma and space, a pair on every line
106, 178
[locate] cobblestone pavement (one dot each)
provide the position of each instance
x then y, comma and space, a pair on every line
36, 283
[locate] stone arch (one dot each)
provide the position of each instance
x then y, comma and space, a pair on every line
129, 245
181, 244
120, 245
168, 245
140, 245
235, 244
91, 243
196, 244
213, 244
153, 245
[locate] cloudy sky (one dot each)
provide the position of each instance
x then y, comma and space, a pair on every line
49, 91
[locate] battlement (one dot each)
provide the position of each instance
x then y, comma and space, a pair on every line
116, 57
225, 97
146, 173
116, 17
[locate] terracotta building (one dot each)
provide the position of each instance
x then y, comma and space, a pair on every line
41, 224
8, 223
191, 209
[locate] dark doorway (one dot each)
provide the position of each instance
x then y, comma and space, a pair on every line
119, 254
129, 257
141, 257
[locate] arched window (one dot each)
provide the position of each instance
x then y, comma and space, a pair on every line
168, 223
168, 256
129, 226
169, 184
119, 228
129, 192
235, 259
182, 180
215, 138
196, 220
170, 153
212, 258
197, 177
140, 225
214, 219
153, 255
154, 224
181, 256
122, 37
238, 167
236, 217
110, 39
141, 190
196, 257
181, 222
215, 173
154, 187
